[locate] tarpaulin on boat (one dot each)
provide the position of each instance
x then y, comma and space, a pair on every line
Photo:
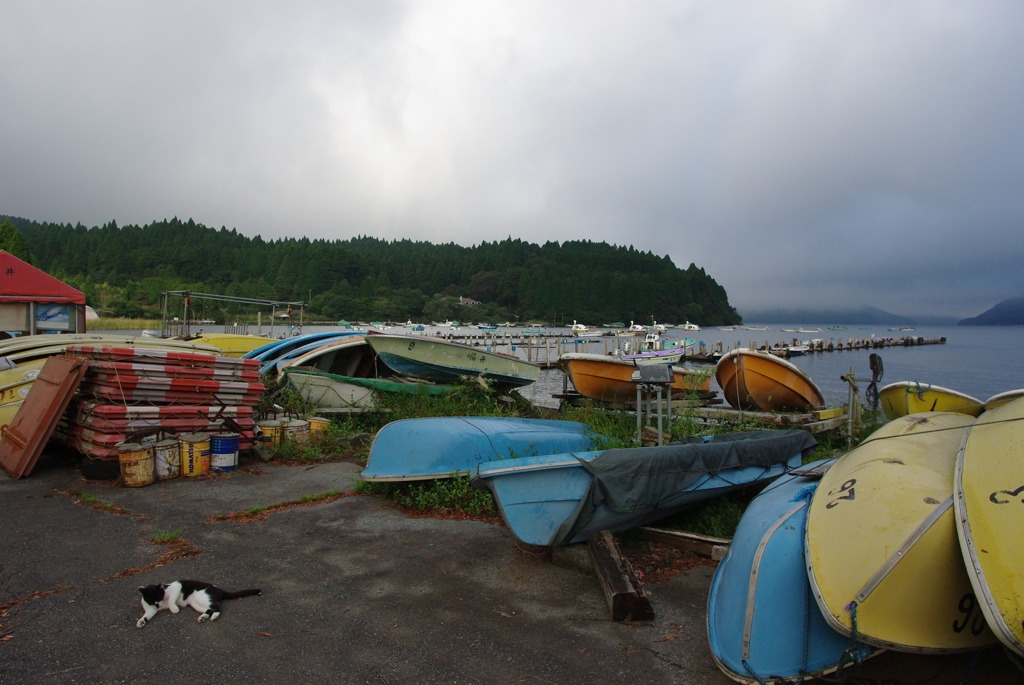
654, 481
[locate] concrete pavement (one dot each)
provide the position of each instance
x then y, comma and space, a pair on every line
354, 591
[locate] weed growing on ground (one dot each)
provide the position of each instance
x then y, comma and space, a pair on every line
444, 495
162, 537
305, 499
717, 517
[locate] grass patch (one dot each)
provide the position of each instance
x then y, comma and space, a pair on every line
162, 537
261, 512
441, 497
717, 517
87, 500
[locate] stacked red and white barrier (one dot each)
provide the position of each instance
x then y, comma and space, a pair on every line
130, 394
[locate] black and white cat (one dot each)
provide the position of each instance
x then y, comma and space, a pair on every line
203, 597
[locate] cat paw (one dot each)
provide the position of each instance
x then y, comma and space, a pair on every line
202, 617
214, 617
141, 622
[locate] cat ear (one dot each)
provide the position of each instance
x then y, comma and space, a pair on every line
142, 588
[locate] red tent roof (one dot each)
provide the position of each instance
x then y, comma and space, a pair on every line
22, 282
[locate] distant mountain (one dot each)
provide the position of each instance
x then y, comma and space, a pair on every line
865, 315
1007, 313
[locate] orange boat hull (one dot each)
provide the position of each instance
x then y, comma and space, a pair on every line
607, 379
758, 381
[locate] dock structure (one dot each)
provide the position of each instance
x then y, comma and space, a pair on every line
544, 349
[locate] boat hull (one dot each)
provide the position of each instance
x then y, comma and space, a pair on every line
907, 397
233, 344
608, 379
443, 361
879, 524
763, 624
559, 499
423, 449
333, 393
758, 381
989, 508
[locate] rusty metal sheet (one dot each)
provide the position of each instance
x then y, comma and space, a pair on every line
24, 439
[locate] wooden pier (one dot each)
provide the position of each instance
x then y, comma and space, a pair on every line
544, 349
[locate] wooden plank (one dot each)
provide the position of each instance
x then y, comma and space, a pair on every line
32, 426
619, 582
704, 545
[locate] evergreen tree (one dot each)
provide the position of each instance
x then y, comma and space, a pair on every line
14, 242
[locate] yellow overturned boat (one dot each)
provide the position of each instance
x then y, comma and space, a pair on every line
910, 397
881, 546
989, 504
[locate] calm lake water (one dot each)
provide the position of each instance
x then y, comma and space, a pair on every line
978, 360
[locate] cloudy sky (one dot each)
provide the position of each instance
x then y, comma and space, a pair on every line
808, 153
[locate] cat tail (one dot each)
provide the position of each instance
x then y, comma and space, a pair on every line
242, 593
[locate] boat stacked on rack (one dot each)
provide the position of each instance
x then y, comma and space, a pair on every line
908, 542
753, 380
129, 393
608, 378
22, 358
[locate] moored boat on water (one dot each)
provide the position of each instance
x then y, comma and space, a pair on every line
758, 381
559, 499
609, 379
444, 361
910, 397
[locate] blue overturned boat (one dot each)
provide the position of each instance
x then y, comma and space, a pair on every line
763, 622
443, 447
559, 499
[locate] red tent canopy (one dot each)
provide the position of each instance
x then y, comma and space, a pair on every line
22, 282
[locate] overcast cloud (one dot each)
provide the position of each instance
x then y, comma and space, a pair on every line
805, 154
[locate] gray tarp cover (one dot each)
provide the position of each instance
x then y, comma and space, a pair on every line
641, 480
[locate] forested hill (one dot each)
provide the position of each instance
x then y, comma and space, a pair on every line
125, 268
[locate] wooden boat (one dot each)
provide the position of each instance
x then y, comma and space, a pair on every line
334, 393
559, 499
763, 624
759, 381
609, 379
989, 506
910, 397
451, 446
882, 552
444, 361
